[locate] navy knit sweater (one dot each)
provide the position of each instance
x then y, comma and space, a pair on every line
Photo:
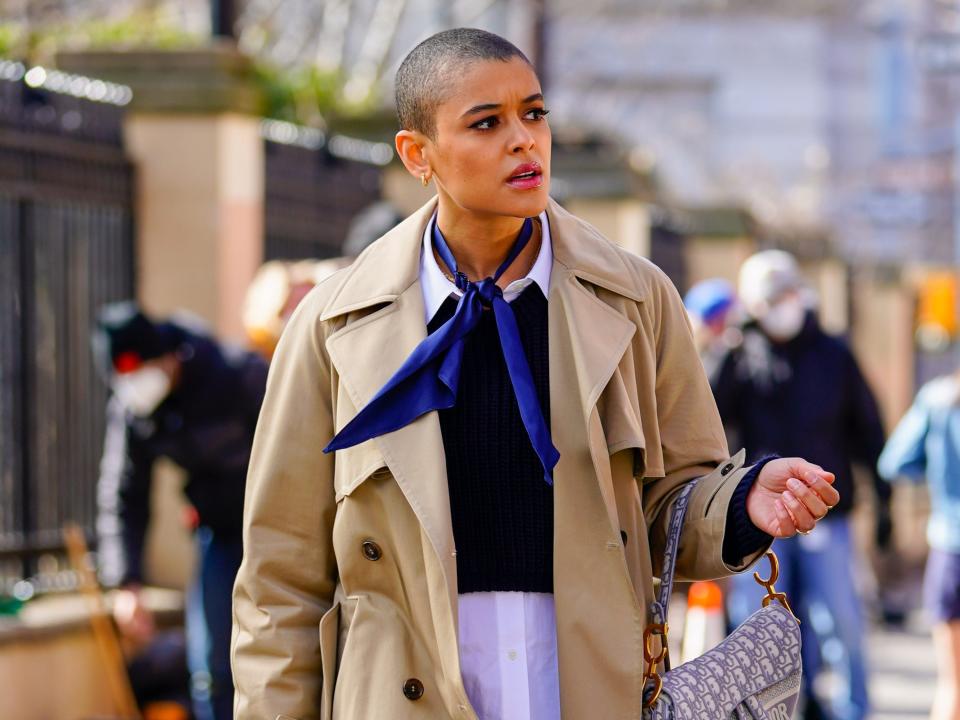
501, 506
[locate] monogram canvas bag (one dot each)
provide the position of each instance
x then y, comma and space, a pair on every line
754, 674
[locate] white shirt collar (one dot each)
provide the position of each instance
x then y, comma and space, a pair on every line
437, 288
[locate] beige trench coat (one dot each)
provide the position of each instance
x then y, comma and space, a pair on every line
348, 587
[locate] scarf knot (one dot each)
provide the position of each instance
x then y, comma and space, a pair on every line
488, 291
429, 377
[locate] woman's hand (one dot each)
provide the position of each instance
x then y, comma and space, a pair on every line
790, 496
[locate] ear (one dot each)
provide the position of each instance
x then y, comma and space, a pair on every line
412, 150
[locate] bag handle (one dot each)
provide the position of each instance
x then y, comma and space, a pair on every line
658, 608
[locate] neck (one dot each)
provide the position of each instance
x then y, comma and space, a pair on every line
479, 243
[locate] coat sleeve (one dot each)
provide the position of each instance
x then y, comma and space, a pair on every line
253, 385
905, 453
726, 386
123, 501
693, 446
288, 574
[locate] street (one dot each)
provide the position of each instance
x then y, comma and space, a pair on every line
903, 672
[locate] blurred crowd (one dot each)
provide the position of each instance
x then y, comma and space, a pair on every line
764, 350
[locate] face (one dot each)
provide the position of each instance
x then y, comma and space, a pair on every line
141, 390
783, 318
491, 152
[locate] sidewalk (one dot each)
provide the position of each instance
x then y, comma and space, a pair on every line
903, 672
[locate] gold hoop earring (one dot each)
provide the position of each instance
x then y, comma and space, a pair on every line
424, 179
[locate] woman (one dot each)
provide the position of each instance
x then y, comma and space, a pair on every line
478, 543
927, 442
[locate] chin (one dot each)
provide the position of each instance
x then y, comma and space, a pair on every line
524, 204
504, 202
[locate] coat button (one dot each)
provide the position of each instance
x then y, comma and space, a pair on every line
726, 469
413, 689
371, 551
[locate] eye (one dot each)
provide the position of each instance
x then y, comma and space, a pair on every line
537, 114
487, 123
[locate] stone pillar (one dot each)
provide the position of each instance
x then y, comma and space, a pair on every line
624, 220
193, 134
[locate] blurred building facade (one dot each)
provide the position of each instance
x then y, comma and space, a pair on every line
810, 113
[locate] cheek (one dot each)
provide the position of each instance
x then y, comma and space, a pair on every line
544, 140
474, 164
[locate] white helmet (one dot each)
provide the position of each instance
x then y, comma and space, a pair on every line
767, 276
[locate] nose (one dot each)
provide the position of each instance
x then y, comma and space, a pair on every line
522, 139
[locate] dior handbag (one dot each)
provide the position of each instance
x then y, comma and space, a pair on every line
754, 674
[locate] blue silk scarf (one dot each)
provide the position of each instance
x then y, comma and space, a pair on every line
429, 377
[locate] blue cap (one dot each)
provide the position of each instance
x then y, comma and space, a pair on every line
710, 298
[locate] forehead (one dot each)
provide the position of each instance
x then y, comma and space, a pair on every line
487, 82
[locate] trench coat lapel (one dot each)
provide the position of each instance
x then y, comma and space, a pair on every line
587, 341
367, 352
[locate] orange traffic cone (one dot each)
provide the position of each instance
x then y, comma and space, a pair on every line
704, 627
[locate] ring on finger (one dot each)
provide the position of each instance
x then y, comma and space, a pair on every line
804, 532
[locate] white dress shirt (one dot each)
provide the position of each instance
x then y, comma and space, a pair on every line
508, 640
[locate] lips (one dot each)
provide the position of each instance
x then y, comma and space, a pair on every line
526, 176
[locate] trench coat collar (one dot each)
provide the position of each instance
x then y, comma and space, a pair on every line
588, 339
392, 264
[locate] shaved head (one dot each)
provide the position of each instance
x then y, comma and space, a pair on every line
428, 73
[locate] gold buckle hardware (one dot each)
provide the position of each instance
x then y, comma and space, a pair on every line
772, 593
652, 673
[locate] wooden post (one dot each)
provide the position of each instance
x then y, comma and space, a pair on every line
106, 638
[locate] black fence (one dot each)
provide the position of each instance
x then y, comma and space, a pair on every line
66, 248
315, 187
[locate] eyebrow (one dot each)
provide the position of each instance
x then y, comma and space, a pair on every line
486, 107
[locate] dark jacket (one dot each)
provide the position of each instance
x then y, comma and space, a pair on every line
205, 426
805, 398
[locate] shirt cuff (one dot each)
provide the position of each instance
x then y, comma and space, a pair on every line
741, 537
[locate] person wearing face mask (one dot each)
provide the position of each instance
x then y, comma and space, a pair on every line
791, 388
711, 305
178, 394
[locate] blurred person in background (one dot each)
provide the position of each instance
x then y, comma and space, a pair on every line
710, 304
178, 394
786, 360
280, 285
274, 293
926, 444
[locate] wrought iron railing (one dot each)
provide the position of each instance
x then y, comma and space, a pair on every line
315, 187
66, 248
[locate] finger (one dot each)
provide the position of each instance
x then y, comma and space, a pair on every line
817, 478
785, 526
802, 518
811, 501
800, 468
827, 492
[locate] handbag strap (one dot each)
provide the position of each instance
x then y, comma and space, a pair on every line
658, 608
